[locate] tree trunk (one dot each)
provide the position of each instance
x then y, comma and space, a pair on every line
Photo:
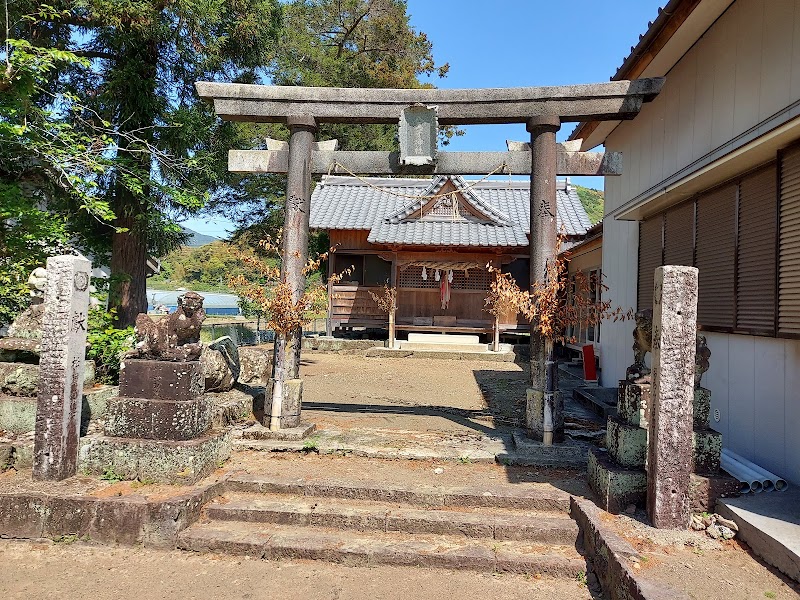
128, 271
136, 102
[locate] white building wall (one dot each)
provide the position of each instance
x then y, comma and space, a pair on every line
743, 70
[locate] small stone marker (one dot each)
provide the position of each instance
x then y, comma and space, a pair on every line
669, 463
63, 346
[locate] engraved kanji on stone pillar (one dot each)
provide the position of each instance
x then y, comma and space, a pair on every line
669, 459
63, 346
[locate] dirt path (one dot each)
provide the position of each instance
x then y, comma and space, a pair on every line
412, 394
36, 570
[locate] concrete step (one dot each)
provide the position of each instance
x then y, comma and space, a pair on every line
458, 339
432, 346
268, 541
545, 498
478, 523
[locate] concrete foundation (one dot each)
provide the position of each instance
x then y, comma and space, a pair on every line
259, 432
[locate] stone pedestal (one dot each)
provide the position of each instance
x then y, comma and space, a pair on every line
159, 427
618, 476
159, 400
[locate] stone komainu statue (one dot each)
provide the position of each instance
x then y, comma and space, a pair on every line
643, 343
174, 337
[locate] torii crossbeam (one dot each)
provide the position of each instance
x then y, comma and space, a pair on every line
542, 109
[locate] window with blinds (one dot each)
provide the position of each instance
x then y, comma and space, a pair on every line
789, 245
755, 272
729, 234
651, 256
716, 257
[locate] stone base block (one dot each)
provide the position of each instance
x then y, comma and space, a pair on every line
702, 407
626, 444
705, 490
615, 486
290, 407
234, 406
534, 415
18, 413
161, 380
259, 432
706, 451
22, 379
157, 419
158, 461
632, 402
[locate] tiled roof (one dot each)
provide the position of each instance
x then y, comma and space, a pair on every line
383, 206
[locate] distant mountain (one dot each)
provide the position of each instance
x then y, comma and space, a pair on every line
198, 239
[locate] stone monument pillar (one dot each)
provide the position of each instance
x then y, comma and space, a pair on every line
669, 462
61, 365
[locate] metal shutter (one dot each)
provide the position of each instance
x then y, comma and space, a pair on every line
715, 257
650, 257
679, 235
755, 278
789, 245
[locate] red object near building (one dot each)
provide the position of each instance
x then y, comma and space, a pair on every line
589, 368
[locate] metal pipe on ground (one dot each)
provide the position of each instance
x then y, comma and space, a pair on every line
749, 478
778, 483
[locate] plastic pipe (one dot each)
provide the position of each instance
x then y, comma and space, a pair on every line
743, 474
779, 483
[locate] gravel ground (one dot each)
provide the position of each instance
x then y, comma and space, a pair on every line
704, 568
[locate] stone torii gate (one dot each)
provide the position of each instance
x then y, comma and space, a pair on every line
542, 109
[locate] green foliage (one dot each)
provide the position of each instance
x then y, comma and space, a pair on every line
107, 344
592, 201
311, 444
206, 268
118, 86
110, 475
28, 236
333, 43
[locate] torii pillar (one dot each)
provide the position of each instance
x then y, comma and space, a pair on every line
285, 386
544, 411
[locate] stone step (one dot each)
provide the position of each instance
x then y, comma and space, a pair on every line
269, 541
448, 347
498, 524
458, 339
545, 498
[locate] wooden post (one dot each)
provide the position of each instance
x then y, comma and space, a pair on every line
393, 314
544, 411
286, 385
496, 337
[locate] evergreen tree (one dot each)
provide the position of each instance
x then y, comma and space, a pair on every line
164, 146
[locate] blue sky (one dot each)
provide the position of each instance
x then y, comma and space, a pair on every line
511, 43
